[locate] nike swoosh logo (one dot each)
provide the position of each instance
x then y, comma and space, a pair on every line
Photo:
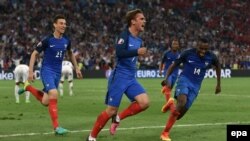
51, 45
131, 45
190, 61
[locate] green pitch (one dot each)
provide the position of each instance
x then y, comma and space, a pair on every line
206, 120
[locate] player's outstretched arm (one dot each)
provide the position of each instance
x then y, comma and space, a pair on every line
31, 65
73, 60
162, 65
218, 74
160, 69
169, 71
78, 73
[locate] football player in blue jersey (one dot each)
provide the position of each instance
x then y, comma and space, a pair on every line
54, 47
195, 63
122, 79
169, 57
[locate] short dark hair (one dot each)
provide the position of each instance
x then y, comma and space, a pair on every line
131, 15
204, 39
58, 17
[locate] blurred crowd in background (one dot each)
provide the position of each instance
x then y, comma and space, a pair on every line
93, 26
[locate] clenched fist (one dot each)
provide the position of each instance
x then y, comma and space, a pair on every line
142, 51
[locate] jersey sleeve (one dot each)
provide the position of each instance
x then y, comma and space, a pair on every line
164, 58
181, 58
121, 47
69, 43
42, 45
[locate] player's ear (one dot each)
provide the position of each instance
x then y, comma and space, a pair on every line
54, 25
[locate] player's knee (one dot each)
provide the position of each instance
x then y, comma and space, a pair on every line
181, 105
181, 102
111, 111
182, 113
45, 103
144, 104
143, 101
180, 116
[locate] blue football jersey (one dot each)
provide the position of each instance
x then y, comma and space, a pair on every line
194, 66
126, 54
169, 58
54, 50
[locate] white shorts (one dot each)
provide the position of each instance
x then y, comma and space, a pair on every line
67, 73
21, 73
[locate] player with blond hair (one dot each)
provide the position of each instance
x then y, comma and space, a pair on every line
122, 79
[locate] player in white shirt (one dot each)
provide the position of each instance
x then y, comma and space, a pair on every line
21, 75
67, 73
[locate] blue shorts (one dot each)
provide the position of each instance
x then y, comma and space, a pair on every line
172, 79
185, 86
50, 80
119, 85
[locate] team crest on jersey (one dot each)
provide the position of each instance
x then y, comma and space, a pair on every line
39, 44
178, 56
120, 41
206, 63
65, 46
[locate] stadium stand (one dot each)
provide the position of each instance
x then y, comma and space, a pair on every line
93, 25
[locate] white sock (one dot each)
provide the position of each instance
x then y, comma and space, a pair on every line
92, 138
71, 88
27, 96
117, 118
61, 89
16, 93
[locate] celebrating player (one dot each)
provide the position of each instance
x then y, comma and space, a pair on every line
195, 62
54, 48
67, 73
122, 79
21, 73
168, 59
